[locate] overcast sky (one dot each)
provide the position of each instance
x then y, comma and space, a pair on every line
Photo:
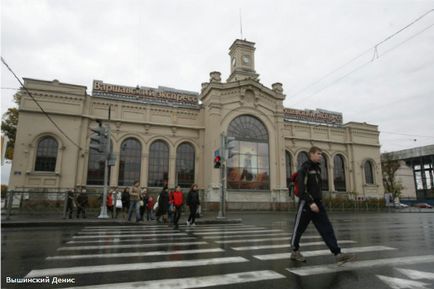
177, 44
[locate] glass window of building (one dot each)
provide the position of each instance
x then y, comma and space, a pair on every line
301, 159
95, 167
158, 169
248, 165
369, 176
46, 155
185, 165
288, 164
324, 173
130, 161
339, 174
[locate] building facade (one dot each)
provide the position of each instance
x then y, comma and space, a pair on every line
415, 172
164, 135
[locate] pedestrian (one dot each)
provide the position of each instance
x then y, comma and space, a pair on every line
143, 202
163, 203
117, 199
310, 208
125, 202
82, 201
134, 201
109, 202
149, 208
193, 203
170, 208
69, 203
178, 201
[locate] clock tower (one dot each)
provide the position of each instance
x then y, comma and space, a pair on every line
242, 55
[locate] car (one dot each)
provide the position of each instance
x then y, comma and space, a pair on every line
401, 205
423, 205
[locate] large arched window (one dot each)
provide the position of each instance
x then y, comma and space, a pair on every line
248, 161
288, 163
324, 173
95, 167
185, 165
158, 169
46, 155
369, 175
130, 161
301, 159
339, 174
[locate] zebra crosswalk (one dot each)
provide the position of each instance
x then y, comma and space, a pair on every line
223, 255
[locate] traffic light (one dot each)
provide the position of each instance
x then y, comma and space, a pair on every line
98, 140
217, 162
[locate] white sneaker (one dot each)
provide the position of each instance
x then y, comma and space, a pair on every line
188, 223
194, 224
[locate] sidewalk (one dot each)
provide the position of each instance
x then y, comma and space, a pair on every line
54, 220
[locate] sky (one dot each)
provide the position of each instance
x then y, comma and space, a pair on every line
338, 55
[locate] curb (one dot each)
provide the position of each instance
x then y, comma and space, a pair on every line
93, 222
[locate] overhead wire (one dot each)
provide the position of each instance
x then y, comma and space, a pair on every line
37, 103
375, 56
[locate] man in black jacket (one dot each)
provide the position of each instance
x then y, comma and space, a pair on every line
310, 208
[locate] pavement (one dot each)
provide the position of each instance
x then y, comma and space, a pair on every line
55, 220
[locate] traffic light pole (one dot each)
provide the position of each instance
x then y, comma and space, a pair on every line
103, 213
222, 214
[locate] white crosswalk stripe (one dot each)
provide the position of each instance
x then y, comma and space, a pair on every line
263, 240
98, 247
250, 236
261, 247
133, 266
131, 235
119, 240
324, 252
194, 282
135, 254
236, 232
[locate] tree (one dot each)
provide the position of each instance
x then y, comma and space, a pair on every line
389, 166
9, 127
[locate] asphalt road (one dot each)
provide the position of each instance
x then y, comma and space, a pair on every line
394, 250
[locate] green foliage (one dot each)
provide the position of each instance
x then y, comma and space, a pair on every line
389, 166
9, 127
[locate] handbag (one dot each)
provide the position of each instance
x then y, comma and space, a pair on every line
119, 204
141, 203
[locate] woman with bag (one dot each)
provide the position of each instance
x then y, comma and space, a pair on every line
163, 203
118, 202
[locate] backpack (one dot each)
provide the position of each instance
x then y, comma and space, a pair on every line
295, 188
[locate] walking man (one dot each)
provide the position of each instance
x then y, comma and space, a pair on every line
310, 208
193, 202
178, 200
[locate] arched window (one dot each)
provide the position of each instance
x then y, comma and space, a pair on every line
158, 169
185, 165
301, 159
130, 161
95, 167
339, 174
288, 163
46, 155
248, 162
369, 175
324, 173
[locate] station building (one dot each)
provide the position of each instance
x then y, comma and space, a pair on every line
165, 135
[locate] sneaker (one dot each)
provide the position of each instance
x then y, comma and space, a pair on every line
194, 224
188, 223
343, 258
297, 256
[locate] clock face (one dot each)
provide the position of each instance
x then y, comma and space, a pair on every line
246, 59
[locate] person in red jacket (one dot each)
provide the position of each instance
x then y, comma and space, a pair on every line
178, 200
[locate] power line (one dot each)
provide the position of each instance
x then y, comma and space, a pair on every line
40, 107
405, 134
376, 56
375, 48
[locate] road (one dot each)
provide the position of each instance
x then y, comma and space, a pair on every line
394, 250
